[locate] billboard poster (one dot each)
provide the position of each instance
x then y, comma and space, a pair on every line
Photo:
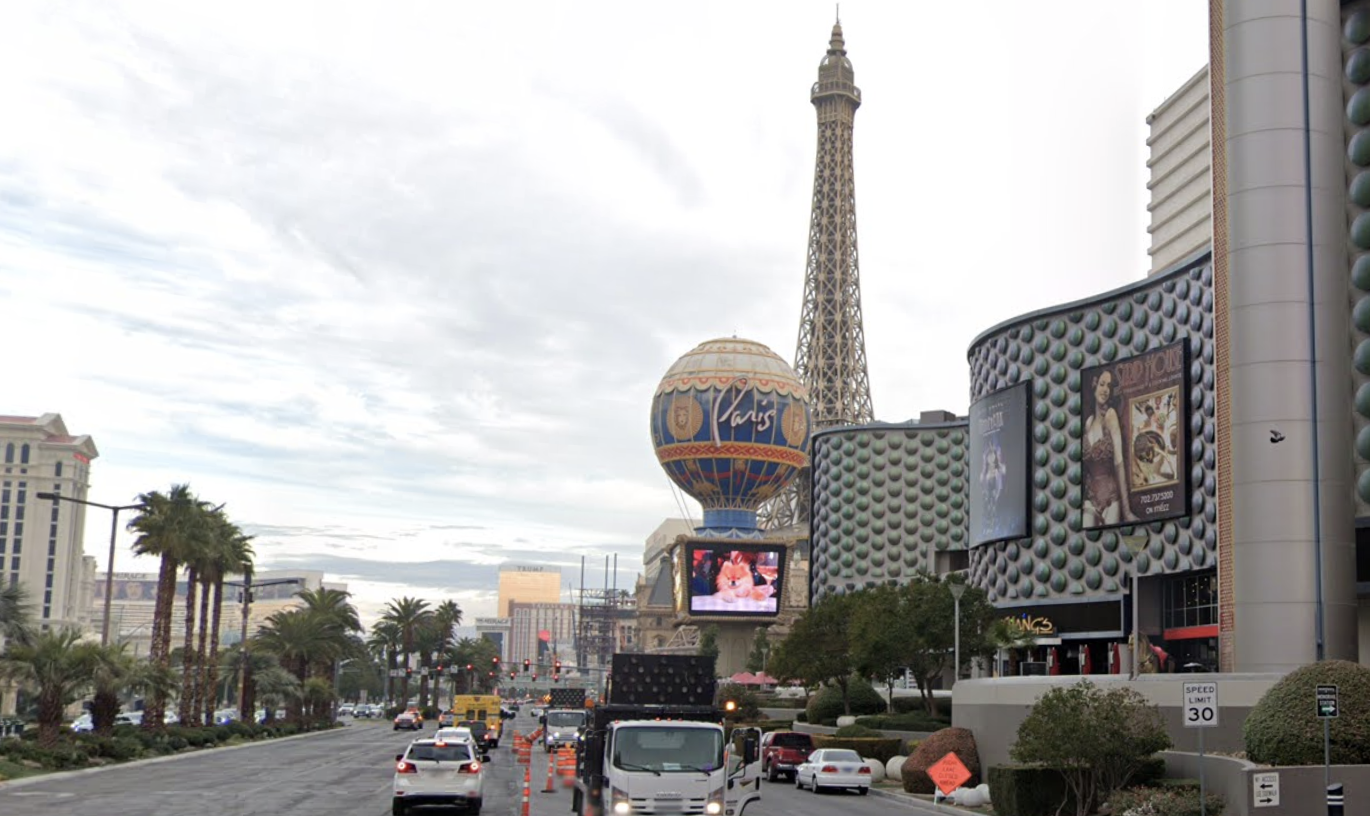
1136, 438
727, 578
999, 466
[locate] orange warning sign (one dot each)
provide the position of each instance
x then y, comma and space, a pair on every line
948, 773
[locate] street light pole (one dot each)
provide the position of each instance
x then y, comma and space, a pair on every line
244, 670
113, 534
1135, 542
957, 590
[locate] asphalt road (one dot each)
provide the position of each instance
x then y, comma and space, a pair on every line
346, 772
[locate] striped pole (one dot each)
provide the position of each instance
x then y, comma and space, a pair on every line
527, 782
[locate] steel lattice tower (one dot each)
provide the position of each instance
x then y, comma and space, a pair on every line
830, 356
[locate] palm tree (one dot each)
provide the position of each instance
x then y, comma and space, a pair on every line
408, 614
114, 671
385, 644
446, 618
202, 553
58, 668
169, 527
234, 557
15, 614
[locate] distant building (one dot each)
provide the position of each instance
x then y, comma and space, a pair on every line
1181, 174
495, 630
528, 584
542, 633
660, 541
135, 597
40, 540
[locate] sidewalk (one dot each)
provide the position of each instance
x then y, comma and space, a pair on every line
920, 803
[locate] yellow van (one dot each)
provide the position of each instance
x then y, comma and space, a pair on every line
483, 707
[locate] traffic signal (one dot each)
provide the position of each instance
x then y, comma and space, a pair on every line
557, 667
469, 667
513, 675
556, 678
535, 675
495, 660
439, 669
526, 663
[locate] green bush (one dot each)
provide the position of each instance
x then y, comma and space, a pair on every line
911, 721
880, 748
1168, 801
1029, 790
748, 708
801, 716
826, 706
857, 730
1283, 727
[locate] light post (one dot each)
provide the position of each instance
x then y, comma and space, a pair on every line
337, 672
957, 590
1134, 543
113, 532
244, 670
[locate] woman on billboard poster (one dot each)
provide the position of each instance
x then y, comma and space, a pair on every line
1103, 458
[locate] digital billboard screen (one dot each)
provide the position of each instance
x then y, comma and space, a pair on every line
730, 578
999, 466
1136, 438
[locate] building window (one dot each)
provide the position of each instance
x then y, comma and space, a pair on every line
1191, 600
24, 454
59, 470
9, 453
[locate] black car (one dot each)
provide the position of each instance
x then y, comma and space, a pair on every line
480, 731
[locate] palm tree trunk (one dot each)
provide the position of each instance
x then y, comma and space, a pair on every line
160, 651
211, 701
202, 690
425, 660
188, 674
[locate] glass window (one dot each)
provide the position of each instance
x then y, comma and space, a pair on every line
9, 453
59, 470
1191, 600
24, 454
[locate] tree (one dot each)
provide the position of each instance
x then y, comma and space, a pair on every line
58, 668
15, 614
761, 647
233, 556
881, 632
408, 615
1097, 739
384, 643
113, 671
170, 527
708, 642
817, 648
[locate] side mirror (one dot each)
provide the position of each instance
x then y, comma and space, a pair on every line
749, 751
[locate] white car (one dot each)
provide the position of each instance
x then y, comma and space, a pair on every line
128, 718
433, 773
454, 735
834, 768
83, 724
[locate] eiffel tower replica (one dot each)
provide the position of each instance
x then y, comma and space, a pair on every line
830, 356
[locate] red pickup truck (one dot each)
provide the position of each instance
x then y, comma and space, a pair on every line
783, 751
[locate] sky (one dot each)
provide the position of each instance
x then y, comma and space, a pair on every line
396, 281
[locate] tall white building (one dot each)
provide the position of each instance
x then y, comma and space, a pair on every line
40, 540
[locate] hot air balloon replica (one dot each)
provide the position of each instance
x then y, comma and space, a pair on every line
730, 425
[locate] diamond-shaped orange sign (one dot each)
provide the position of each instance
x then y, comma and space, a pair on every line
948, 773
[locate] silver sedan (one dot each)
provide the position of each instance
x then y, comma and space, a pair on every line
834, 768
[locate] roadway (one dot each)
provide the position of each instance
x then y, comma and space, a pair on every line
346, 772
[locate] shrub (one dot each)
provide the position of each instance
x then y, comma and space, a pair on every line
857, 731
1283, 727
748, 709
1029, 790
868, 747
826, 706
801, 716
1172, 801
1097, 739
911, 721
959, 741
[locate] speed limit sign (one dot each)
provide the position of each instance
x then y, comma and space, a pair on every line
1200, 705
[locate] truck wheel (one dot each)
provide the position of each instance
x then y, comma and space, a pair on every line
771, 775
575, 801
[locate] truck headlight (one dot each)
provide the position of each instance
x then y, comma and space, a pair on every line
621, 803
713, 808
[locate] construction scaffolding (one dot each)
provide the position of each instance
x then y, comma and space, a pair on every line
605, 618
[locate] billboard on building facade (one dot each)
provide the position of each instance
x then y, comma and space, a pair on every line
1135, 441
999, 466
729, 578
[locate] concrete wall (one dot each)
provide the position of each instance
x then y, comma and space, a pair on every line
1301, 789
994, 708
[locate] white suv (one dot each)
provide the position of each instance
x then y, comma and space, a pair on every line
430, 772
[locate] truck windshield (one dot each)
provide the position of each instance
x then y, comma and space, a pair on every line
565, 719
668, 749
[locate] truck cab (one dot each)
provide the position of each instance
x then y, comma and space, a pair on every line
561, 726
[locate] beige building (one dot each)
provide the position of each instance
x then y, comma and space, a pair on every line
135, 596
542, 633
40, 540
1181, 174
528, 584
660, 541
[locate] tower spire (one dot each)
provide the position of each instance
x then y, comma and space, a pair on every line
830, 356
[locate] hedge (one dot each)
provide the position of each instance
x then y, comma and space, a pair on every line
1029, 790
881, 748
126, 743
912, 721
826, 706
1166, 801
1283, 728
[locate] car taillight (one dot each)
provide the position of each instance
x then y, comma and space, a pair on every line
865, 769
829, 769
470, 767
406, 767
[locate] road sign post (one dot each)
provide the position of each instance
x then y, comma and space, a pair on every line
1326, 697
1201, 712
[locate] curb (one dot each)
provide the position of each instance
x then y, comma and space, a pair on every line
908, 800
44, 777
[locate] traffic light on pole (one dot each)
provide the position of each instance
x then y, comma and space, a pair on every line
535, 675
526, 663
469, 667
513, 675
556, 678
557, 666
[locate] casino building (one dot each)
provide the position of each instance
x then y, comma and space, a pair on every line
1186, 456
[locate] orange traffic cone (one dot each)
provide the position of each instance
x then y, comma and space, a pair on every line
551, 768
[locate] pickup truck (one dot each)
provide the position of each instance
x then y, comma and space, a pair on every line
784, 751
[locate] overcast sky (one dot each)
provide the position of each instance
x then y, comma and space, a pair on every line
396, 281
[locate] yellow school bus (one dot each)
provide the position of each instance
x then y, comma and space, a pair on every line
484, 707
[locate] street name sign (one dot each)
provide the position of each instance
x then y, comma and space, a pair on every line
1265, 789
1327, 702
1200, 705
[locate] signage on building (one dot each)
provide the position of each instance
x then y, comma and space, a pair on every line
1033, 625
1084, 620
532, 569
492, 622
